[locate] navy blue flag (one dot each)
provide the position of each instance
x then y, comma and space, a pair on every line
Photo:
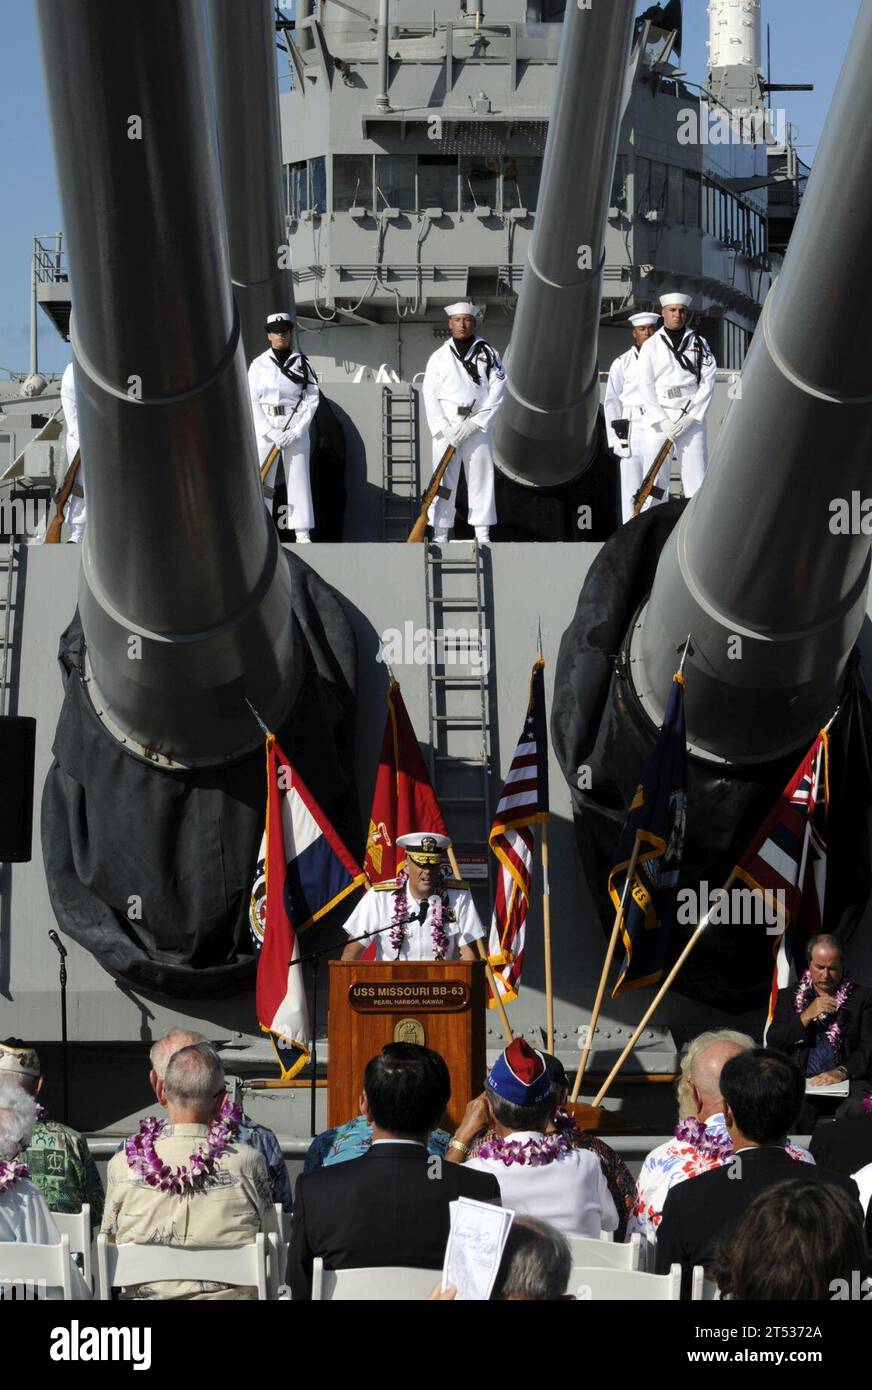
657, 818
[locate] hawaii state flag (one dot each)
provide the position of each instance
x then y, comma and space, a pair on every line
303, 871
404, 799
657, 818
523, 803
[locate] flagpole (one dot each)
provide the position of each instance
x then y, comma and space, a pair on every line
607, 965
488, 968
546, 926
658, 998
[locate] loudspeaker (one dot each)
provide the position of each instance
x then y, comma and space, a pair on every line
17, 750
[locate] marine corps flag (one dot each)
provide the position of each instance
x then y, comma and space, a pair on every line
404, 799
303, 871
656, 819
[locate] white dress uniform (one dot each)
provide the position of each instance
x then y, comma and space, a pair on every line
667, 385
376, 909
451, 393
284, 398
75, 513
623, 401
570, 1193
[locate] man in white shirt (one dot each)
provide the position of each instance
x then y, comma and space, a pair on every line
284, 398
463, 388
75, 513
677, 381
540, 1174
625, 416
416, 916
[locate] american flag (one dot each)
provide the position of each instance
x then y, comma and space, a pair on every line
523, 802
787, 863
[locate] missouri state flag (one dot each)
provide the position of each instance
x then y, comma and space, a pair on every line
657, 819
303, 871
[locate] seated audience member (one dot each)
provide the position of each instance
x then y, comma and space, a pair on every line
701, 1140
845, 1145
24, 1215
541, 1174
261, 1139
536, 1264
762, 1093
189, 1181
58, 1160
391, 1207
797, 1240
824, 1024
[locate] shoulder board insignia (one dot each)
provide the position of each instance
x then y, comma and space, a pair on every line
456, 883
389, 885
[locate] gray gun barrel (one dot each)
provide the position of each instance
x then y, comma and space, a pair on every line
773, 597
545, 432
184, 592
249, 138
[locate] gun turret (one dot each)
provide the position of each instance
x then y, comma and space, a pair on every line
545, 433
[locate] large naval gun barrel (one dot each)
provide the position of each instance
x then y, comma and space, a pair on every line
758, 570
184, 593
545, 432
249, 138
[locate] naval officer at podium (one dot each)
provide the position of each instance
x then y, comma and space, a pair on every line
424, 918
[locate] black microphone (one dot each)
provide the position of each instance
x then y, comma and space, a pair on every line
62, 950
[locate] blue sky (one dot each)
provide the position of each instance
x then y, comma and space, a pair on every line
804, 49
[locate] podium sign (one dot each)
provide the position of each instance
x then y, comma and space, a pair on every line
438, 1004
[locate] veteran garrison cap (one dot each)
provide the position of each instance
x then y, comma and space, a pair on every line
19, 1060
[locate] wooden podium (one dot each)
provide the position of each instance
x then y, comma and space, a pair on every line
440, 1004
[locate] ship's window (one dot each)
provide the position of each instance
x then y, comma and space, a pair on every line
521, 175
318, 184
659, 184
437, 182
395, 182
676, 194
478, 183
352, 181
691, 200
643, 185
295, 189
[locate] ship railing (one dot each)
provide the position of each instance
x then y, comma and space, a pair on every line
49, 259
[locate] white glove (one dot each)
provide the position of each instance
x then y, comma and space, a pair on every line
453, 432
676, 428
275, 436
467, 427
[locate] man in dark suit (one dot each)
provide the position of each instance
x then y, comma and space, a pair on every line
762, 1093
845, 1145
389, 1207
829, 1036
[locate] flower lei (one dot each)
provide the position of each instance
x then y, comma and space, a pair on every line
709, 1145
10, 1174
804, 996
531, 1153
192, 1176
400, 919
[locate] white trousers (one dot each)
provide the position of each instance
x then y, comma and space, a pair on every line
691, 451
74, 515
301, 511
476, 455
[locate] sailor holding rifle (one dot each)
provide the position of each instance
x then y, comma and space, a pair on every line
625, 414
677, 382
284, 398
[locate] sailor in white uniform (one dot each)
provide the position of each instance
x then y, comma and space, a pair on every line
75, 513
677, 382
625, 414
463, 388
426, 918
284, 398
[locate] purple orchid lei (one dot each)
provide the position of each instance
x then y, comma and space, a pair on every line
11, 1173
804, 996
710, 1145
192, 1176
532, 1153
400, 919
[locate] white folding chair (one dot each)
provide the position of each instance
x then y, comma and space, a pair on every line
632, 1285
21, 1263
77, 1225
120, 1266
601, 1254
393, 1283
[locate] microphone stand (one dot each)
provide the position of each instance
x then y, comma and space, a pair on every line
65, 1071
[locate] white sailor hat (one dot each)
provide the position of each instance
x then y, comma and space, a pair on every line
276, 323
643, 320
464, 306
669, 299
424, 847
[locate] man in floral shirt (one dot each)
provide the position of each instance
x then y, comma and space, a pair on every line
701, 1140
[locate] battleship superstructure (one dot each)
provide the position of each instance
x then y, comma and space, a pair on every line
413, 147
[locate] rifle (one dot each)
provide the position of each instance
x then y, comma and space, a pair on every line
419, 530
268, 462
53, 534
650, 478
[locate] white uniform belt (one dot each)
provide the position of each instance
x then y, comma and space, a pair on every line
452, 408
276, 409
633, 412
671, 393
